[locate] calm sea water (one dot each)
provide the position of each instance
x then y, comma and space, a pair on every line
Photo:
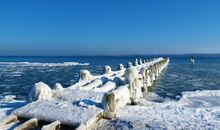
17, 78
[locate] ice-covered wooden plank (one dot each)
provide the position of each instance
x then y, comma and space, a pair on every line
106, 87
79, 95
52, 126
68, 113
8, 119
28, 124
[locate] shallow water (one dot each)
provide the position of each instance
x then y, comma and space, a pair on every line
180, 76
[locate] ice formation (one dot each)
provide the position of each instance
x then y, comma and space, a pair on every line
136, 62
131, 76
106, 87
120, 67
40, 91
129, 64
58, 87
112, 101
108, 70
85, 75
140, 61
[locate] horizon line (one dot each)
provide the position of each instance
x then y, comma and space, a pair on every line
110, 55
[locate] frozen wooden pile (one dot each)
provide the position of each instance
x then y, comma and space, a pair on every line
83, 104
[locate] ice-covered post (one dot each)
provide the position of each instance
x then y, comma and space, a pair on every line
151, 74
131, 78
108, 69
40, 91
156, 70
56, 125
58, 87
129, 64
159, 67
136, 62
85, 75
140, 61
114, 100
146, 78
109, 105
120, 67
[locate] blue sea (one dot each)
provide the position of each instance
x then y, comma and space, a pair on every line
18, 74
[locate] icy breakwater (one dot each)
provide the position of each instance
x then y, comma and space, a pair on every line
92, 98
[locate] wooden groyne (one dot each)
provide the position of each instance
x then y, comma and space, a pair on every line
92, 98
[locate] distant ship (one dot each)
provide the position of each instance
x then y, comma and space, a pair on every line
192, 60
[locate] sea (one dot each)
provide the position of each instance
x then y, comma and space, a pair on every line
19, 73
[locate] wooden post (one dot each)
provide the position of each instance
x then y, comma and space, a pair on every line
131, 78
53, 126
140, 61
109, 104
129, 64
151, 74
85, 75
120, 67
8, 119
28, 124
108, 69
136, 62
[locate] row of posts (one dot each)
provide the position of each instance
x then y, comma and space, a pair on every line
138, 81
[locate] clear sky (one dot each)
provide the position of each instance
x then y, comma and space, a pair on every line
109, 27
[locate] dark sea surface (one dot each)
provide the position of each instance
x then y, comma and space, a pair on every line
18, 74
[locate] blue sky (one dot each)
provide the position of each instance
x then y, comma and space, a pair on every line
109, 27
